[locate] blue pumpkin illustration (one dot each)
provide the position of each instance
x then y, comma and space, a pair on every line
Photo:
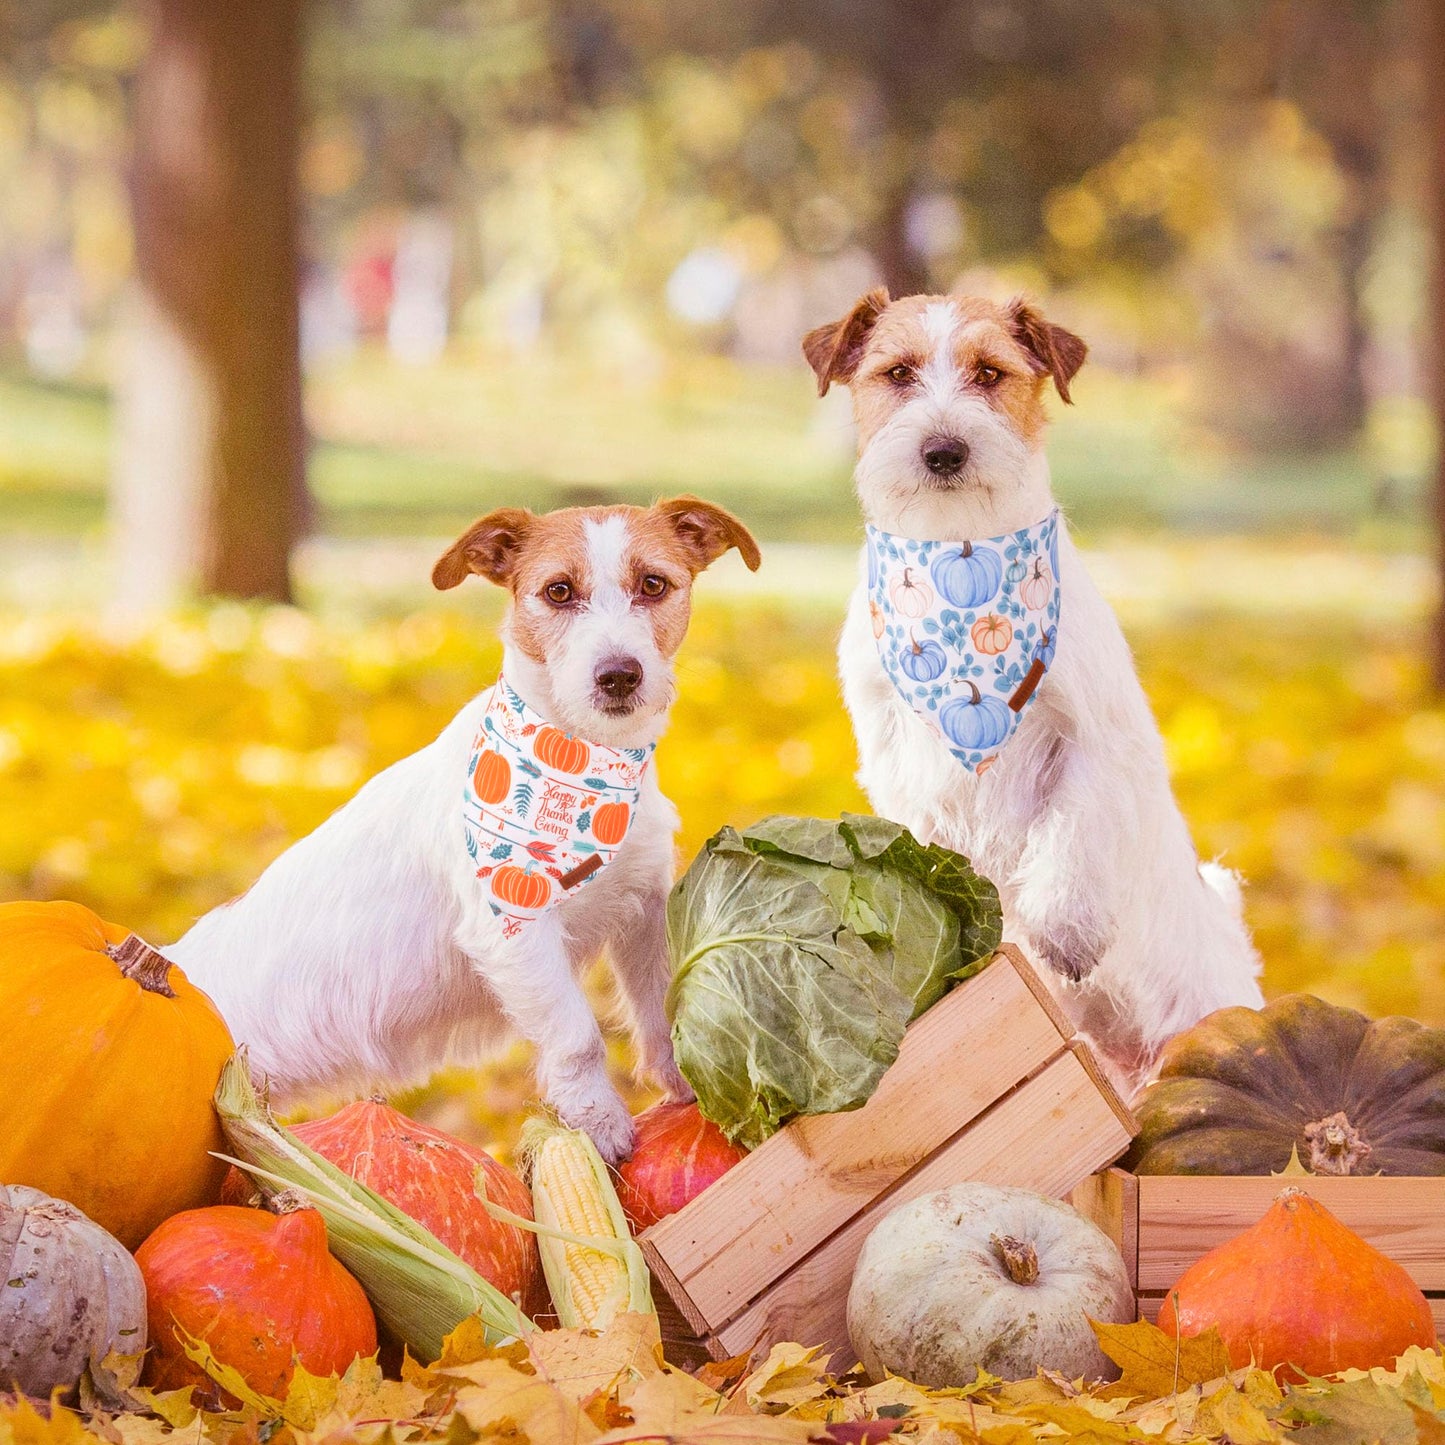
923, 661
1044, 652
1017, 571
872, 567
968, 576
976, 722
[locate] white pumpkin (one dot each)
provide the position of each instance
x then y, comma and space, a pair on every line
983, 1277
71, 1293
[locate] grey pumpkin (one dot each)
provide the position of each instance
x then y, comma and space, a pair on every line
69, 1293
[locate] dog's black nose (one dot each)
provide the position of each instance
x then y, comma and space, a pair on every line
618, 677
945, 456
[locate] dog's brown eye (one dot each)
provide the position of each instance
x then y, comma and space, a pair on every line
559, 594
653, 585
900, 374
988, 376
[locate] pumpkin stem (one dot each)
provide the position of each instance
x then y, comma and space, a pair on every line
286, 1201
1018, 1257
977, 696
1336, 1146
147, 966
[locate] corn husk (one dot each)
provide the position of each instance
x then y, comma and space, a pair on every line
569, 1249
420, 1290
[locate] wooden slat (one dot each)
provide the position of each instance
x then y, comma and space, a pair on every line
1111, 1199
809, 1179
1183, 1216
1150, 1305
1047, 1135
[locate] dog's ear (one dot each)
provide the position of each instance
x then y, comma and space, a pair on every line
1057, 352
833, 351
488, 547
706, 532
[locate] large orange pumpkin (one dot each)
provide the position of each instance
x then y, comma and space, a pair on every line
108, 1060
260, 1289
521, 889
492, 777
433, 1177
609, 823
1299, 1291
560, 751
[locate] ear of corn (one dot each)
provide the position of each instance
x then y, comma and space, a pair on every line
420, 1290
594, 1268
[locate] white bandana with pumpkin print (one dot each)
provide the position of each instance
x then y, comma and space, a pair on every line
543, 812
967, 630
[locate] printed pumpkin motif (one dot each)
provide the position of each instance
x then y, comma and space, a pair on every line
609, 823
911, 598
971, 662
560, 751
520, 888
1037, 588
974, 721
992, 634
923, 661
968, 576
492, 777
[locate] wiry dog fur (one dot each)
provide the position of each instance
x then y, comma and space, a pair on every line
1076, 822
367, 954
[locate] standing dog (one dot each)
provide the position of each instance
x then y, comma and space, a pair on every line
444, 904
993, 696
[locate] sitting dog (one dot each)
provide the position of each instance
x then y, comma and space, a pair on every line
463, 891
993, 696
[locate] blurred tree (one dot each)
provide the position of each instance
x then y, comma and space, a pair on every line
209, 483
1434, 50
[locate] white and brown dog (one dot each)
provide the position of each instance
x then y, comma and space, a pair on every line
372, 952
1073, 817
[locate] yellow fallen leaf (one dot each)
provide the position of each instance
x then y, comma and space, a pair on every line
1156, 1364
501, 1395
790, 1374
23, 1424
1230, 1416
230, 1379
581, 1362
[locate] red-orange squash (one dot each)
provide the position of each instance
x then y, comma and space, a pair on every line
521, 889
491, 777
108, 1061
677, 1155
560, 751
1300, 1292
609, 823
258, 1288
432, 1177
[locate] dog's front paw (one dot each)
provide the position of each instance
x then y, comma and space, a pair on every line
1073, 952
607, 1123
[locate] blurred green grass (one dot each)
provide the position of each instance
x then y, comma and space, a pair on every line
419, 451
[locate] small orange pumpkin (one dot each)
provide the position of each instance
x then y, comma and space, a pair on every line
992, 634
492, 777
519, 888
876, 613
609, 823
560, 751
1299, 1291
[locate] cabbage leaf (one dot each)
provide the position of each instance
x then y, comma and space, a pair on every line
802, 948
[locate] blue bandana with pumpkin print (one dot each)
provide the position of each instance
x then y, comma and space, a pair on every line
967, 630
543, 812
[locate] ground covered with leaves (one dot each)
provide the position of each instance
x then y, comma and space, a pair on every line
573, 1387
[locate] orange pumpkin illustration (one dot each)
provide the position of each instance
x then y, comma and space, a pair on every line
876, 613
521, 889
991, 634
911, 598
566, 754
1037, 589
609, 823
492, 777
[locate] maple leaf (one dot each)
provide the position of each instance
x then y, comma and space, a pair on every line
1156, 1364
790, 1374
582, 1362
1348, 1413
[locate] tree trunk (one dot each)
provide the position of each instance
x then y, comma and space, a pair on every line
1435, 80
209, 482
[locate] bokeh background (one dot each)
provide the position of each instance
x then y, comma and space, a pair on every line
292, 290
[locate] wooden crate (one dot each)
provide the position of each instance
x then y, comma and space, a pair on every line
988, 1084
1162, 1223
